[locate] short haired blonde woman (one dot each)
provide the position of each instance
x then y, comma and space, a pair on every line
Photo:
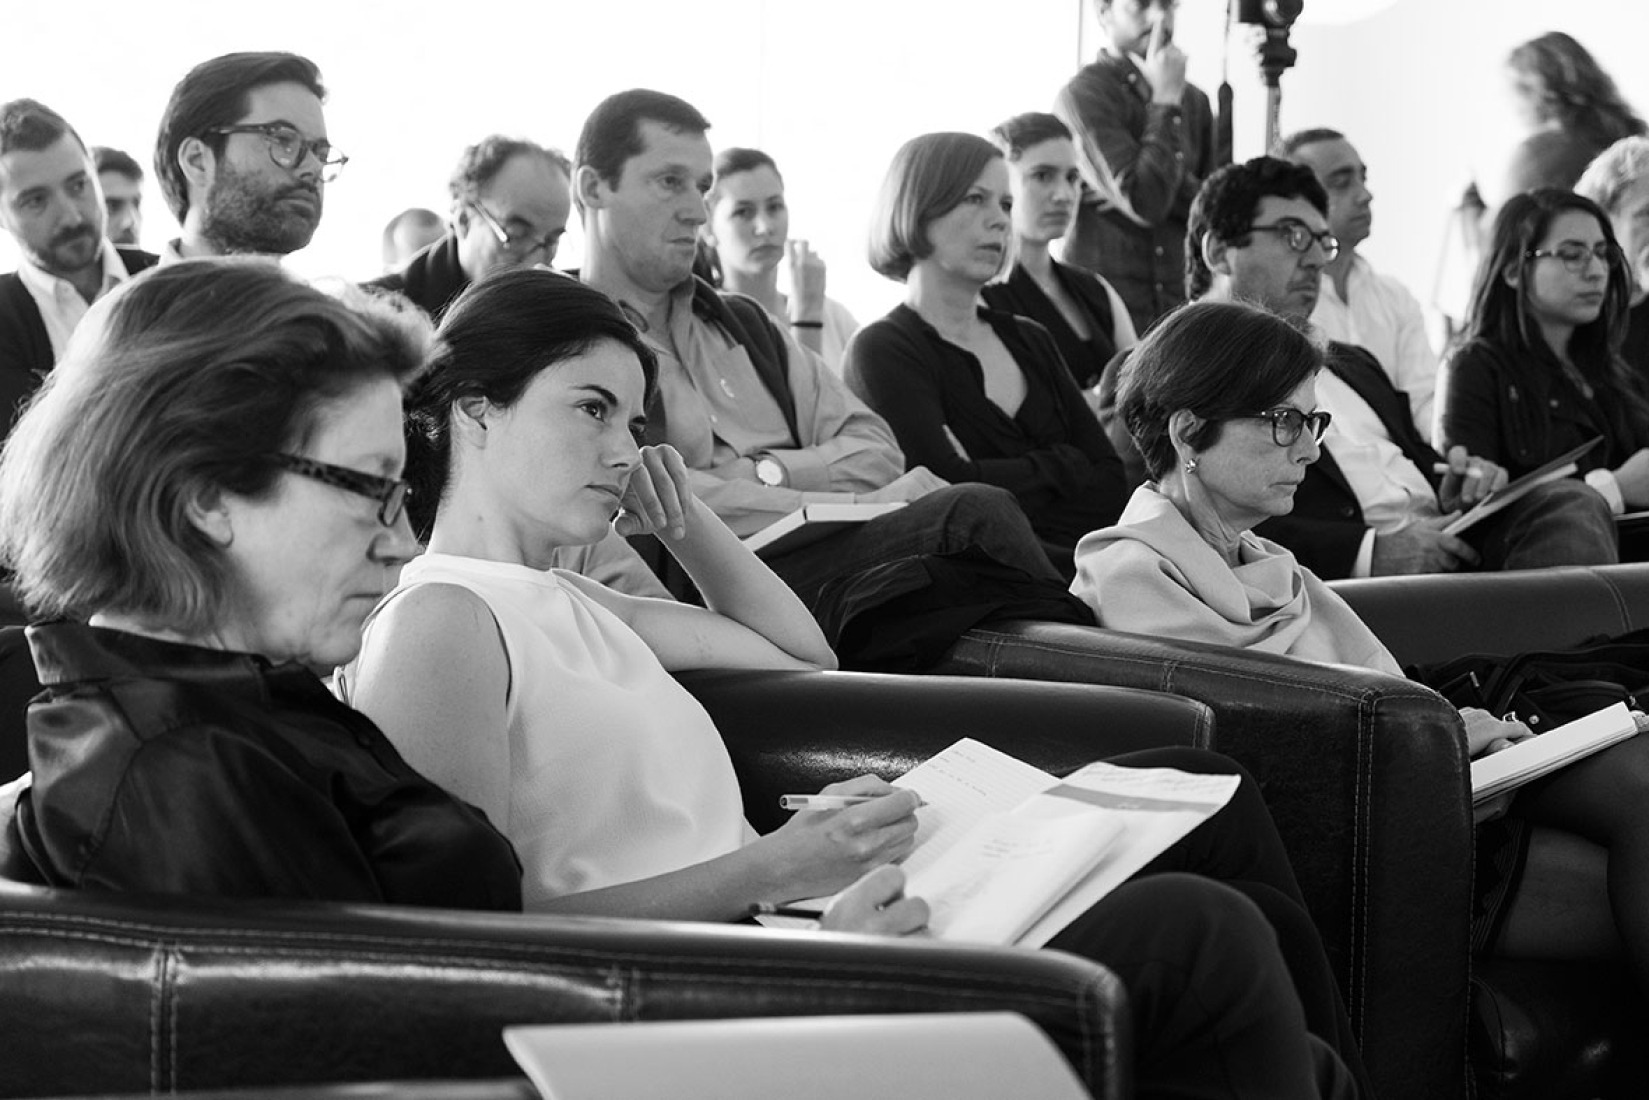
208, 492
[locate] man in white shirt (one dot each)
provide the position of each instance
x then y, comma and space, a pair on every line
1358, 305
243, 158
51, 205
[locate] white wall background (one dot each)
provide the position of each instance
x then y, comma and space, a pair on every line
829, 88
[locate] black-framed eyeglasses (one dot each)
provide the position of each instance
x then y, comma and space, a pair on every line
390, 493
287, 147
1575, 255
1287, 423
1299, 237
519, 245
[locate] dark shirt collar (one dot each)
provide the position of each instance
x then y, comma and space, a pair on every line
67, 653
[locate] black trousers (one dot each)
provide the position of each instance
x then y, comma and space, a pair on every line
1230, 989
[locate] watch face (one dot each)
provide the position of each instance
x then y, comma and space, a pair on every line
769, 472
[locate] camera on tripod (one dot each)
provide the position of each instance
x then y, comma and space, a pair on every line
1276, 16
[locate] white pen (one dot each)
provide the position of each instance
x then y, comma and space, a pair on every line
830, 801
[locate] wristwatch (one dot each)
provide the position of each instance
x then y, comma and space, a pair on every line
769, 471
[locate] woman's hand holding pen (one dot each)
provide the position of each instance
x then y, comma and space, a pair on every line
1467, 479
821, 851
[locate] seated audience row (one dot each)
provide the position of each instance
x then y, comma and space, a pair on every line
181, 731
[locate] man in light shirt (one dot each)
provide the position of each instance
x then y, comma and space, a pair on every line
243, 158
1378, 499
1358, 305
764, 426
51, 205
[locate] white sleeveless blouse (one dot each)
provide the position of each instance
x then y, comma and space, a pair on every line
616, 771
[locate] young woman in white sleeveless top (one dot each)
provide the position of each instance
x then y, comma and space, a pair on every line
545, 699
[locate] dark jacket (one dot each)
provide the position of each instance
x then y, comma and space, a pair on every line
25, 348
1051, 454
1158, 156
1522, 410
431, 279
169, 768
1020, 294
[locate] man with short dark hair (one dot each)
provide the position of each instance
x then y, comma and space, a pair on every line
764, 426
51, 205
1379, 498
510, 203
122, 181
1358, 305
242, 155
1145, 142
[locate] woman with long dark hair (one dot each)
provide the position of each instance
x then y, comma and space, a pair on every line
1539, 371
1571, 109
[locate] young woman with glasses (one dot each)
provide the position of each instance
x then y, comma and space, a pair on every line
973, 393
1539, 370
203, 504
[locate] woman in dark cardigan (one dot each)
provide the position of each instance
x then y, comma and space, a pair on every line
972, 393
1083, 313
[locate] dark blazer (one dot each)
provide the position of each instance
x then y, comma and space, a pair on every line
431, 279
1325, 529
25, 349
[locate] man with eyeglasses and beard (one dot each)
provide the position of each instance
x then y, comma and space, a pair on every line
510, 203
243, 158
1379, 498
51, 205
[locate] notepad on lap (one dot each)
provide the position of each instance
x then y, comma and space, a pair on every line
814, 521
1534, 757
1008, 854
1561, 466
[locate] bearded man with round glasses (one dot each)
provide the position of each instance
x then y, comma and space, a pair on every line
1380, 499
511, 199
243, 158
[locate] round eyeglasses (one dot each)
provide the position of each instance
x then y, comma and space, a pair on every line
1299, 237
390, 493
288, 148
1287, 424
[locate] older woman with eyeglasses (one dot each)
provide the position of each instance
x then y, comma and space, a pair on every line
207, 494
1221, 401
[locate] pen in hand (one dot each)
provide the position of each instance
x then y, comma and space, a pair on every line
768, 909
831, 801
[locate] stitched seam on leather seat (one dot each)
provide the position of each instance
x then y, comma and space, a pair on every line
1622, 607
1168, 667
512, 954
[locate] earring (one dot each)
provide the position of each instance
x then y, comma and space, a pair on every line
1191, 465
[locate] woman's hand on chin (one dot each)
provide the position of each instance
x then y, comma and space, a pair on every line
877, 905
1485, 733
658, 497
